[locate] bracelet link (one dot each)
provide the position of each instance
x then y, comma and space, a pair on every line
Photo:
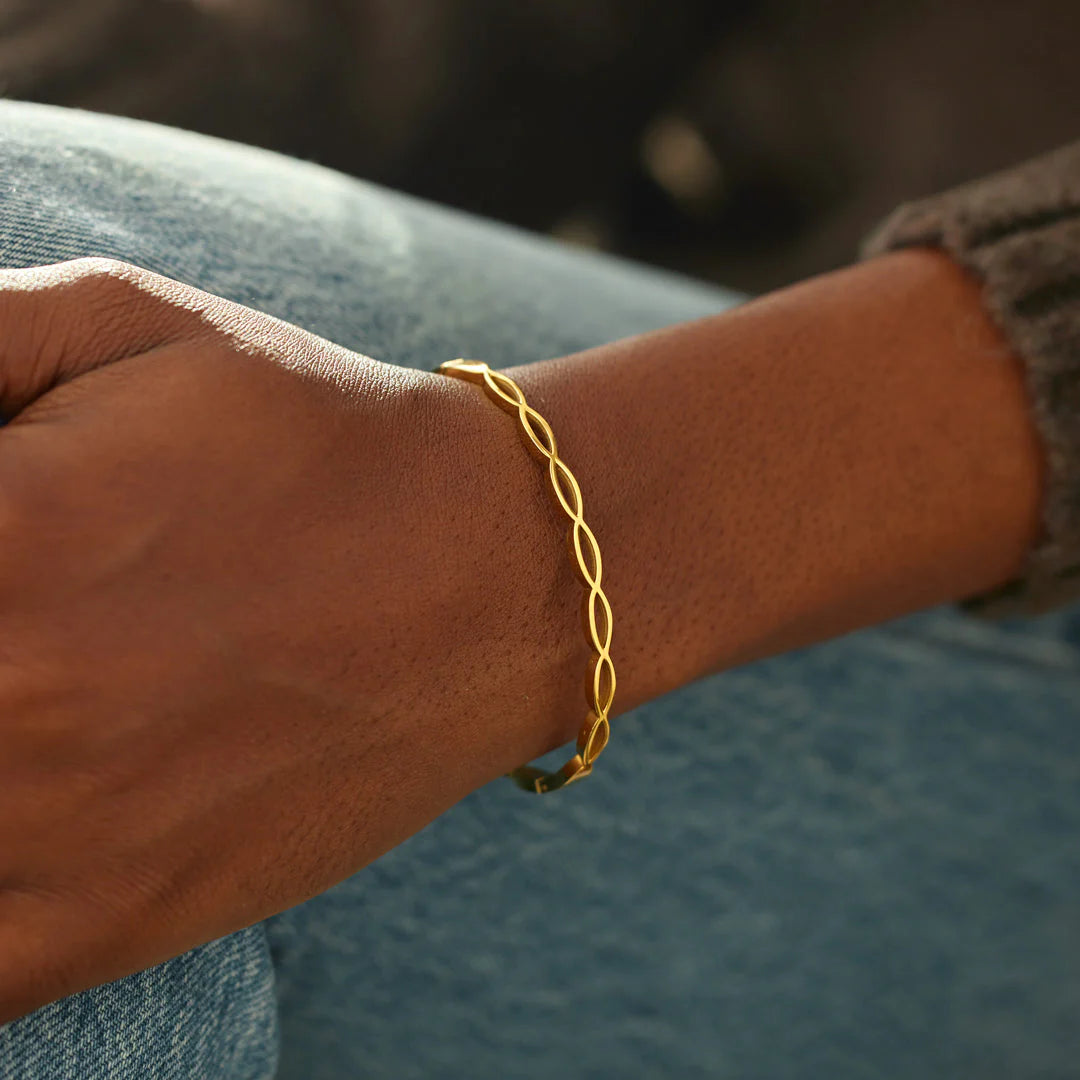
530, 778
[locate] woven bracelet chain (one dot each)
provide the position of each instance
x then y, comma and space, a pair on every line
594, 733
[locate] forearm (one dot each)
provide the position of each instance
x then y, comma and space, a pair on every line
825, 458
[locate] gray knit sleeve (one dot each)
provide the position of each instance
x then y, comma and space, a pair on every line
1019, 233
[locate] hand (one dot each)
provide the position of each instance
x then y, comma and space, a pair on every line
267, 607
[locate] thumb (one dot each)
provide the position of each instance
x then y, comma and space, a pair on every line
59, 322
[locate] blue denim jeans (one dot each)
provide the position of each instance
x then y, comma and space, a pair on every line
855, 861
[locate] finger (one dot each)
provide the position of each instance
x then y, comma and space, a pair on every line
39, 960
56, 941
54, 944
58, 322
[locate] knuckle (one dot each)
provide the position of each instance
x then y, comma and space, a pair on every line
91, 274
65, 319
97, 266
105, 310
109, 281
125, 303
72, 316
99, 286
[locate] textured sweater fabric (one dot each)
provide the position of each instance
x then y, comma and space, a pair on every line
1019, 232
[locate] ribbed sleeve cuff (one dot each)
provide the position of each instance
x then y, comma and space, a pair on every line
1019, 233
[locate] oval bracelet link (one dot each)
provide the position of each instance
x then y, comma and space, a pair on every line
566, 493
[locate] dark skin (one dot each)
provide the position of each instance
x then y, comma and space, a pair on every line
268, 607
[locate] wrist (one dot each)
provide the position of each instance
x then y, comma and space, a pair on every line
498, 541
843, 452
834, 455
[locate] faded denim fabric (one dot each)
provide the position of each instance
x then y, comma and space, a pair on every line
856, 861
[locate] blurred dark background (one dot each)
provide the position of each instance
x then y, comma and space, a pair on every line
748, 142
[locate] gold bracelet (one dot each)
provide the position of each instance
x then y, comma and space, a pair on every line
594, 733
